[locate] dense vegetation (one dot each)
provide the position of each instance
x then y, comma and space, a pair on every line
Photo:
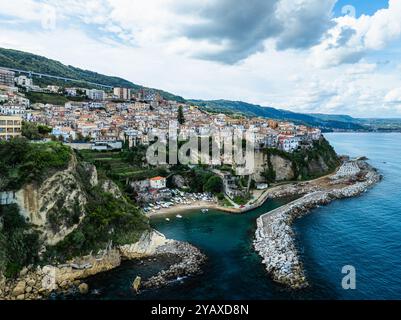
122, 166
51, 98
30, 62
202, 180
22, 162
19, 242
108, 220
34, 131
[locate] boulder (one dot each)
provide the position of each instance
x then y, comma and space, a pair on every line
178, 181
137, 284
19, 289
83, 288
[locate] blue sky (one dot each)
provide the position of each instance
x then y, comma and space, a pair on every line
300, 55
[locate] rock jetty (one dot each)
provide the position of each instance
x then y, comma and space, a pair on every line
274, 235
36, 282
189, 262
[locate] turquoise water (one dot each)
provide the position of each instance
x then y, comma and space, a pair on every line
364, 232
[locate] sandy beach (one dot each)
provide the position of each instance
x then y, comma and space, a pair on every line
185, 208
260, 197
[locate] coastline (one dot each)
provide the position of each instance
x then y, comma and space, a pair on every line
264, 195
274, 237
38, 283
185, 208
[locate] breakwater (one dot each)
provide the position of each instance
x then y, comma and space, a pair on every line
274, 235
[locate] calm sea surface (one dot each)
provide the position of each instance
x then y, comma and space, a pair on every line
364, 232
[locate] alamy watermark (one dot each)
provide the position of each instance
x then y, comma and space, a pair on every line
349, 280
349, 10
213, 147
49, 17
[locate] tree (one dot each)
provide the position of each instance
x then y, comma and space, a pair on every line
181, 118
44, 130
34, 131
30, 130
214, 185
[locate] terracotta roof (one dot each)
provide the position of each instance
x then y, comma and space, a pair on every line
157, 178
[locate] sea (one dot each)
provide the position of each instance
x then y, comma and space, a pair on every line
363, 233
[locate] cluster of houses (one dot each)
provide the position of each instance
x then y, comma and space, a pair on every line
136, 116
151, 190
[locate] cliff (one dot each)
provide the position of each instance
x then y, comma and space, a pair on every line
274, 165
59, 208
38, 282
61, 222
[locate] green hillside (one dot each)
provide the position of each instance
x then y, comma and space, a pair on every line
243, 108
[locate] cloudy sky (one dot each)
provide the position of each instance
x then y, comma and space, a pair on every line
328, 56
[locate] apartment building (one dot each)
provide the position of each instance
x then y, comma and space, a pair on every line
97, 95
122, 93
10, 126
6, 78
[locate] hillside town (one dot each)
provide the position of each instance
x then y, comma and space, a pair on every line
106, 118
110, 120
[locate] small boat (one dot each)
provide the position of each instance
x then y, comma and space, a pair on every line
167, 219
179, 216
205, 210
96, 292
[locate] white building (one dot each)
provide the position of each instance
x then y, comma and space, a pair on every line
72, 92
12, 110
53, 89
122, 93
315, 134
289, 143
24, 81
158, 183
65, 132
98, 95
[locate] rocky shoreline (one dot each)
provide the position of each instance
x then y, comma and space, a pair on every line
35, 283
189, 262
274, 235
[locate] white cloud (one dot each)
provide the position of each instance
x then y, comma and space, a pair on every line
394, 96
144, 42
363, 34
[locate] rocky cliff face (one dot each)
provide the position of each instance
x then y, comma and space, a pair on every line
57, 205
276, 165
38, 282
146, 246
282, 168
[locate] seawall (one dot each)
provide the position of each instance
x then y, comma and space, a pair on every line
274, 237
